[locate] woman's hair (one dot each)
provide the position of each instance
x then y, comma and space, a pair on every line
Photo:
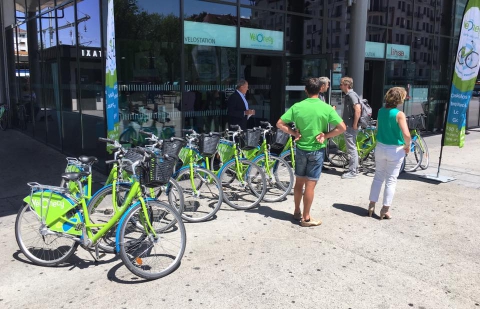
395, 97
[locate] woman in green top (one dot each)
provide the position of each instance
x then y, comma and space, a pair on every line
393, 143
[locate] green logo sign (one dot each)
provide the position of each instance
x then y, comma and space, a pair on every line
261, 38
470, 26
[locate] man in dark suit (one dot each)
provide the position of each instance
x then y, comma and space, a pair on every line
238, 111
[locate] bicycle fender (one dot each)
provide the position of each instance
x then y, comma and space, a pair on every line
55, 206
117, 232
223, 166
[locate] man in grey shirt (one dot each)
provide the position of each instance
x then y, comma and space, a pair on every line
351, 113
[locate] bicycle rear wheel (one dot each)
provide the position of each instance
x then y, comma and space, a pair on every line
171, 194
245, 190
151, 255
37, 243
335, 155
202, 192
279, 177
414, 158
426, 156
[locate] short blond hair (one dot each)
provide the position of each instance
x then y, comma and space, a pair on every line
395, 96
347, 81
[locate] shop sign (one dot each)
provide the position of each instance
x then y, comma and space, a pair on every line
91, 53
209, 34
398, 52
374, 50
261, 39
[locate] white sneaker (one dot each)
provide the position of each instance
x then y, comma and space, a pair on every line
349, 175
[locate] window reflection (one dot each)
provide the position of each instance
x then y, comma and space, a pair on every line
148, 67
211, 68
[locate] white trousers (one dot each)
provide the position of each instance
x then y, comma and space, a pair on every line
388, 161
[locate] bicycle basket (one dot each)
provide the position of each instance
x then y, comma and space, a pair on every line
208, 143
157, 171
250, 140
133, 155
171, 147
280, 139
416, 122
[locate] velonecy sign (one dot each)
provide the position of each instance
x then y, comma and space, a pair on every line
225, 36
261, 39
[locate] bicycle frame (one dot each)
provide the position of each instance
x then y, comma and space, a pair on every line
87, 237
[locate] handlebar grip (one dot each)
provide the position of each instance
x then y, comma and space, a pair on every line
106, 140
234, 126
265, 123
146, 133
176, 139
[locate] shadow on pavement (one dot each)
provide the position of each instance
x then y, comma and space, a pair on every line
416, 177
356, 210
267, 212
112, 275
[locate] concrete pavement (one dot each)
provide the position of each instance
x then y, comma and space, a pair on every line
427, 256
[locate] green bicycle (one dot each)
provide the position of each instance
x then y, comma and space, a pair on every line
243, 182
366, 141
202, 190
54, 221
279, 174
106, 201
415, 124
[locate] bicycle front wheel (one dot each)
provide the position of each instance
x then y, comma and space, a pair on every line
147, 254
414, 158
202, 193
39, 244
102, 207
244, 186
279, 177
426, 156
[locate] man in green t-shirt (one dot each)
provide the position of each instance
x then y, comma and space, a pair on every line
311, 117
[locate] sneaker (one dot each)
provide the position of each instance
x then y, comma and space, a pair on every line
349, 175
297, 216
311, 222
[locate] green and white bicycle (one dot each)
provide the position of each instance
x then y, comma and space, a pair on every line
54, 221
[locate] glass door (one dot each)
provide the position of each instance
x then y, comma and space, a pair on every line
300, 68
264, 74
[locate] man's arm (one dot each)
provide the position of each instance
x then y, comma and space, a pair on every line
339, 129
357, 111
286, 128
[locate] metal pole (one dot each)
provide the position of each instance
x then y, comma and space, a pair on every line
358, 35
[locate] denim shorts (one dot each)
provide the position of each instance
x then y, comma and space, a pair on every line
308, 164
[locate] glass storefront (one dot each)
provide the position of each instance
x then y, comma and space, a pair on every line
179, 60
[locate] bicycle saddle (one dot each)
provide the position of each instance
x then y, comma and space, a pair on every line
74, 176
87, 160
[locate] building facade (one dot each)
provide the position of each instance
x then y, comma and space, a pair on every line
178, 61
